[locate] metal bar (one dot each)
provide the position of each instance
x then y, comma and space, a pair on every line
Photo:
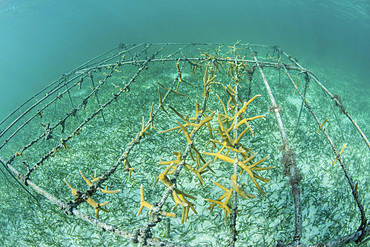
335, 99
290, 163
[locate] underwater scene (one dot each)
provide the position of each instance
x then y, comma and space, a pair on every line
186, 129
187, 143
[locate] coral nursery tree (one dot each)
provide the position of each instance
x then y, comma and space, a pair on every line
166, 148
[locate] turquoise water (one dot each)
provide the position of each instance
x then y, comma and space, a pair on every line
42, 40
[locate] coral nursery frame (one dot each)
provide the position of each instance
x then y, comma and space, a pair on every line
200, 122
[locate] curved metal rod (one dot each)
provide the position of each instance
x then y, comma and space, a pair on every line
334, 98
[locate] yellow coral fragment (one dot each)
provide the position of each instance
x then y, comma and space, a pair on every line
356, 188
239, 189
223, 131
129, 169
151, 118
246, 158
196, 172
64, 143
141, 134
92, 202
177, 200
296, 86
143, 129
236, 141
223, 204
186, 133
74, 191
160, 101
204, 121
97, 206
249, 170
179, 74
341, 151
106, 191
89, 183
205, 166
176, 162
143, 203
196, 111
86, 180
245, 121
174, 128
220, 186
89, 200
95, 178
178, 114
185, 203
163, 177
244, 108
185, 211
221, 157
173, 215
18, 154
322, 124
